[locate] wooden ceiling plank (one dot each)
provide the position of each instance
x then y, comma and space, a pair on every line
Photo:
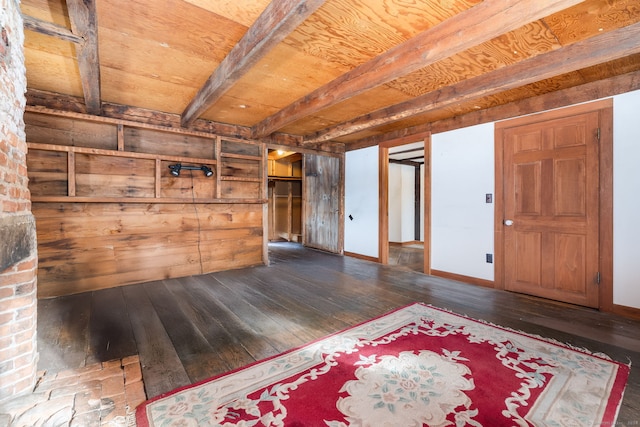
84, 23
50, 29
455, 35
272, 26
599, 49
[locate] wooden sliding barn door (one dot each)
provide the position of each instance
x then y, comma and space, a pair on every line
323, 183
551, 208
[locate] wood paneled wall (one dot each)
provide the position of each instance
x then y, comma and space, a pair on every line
88, 246
109, 212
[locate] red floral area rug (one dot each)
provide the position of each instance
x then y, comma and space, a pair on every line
416, 366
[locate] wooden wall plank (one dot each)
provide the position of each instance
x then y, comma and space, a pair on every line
71, 174
120, 128
112, 165
46, 129
232, 189
120, 186
218, 152
100, 245
48, 173
158, 178
157, 142
240, 168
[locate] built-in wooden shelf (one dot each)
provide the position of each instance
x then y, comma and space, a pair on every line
106, 202
285, 178
237, 178
86, 174
118, 153
174, 200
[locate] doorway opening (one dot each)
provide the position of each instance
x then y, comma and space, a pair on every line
285, 196
405, 184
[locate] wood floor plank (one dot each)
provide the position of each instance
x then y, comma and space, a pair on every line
297, 320
111, 336
237, 343
286, 294
182, 323
63, 332
162, 369
204, 311
320, 298
190, 328
251, 320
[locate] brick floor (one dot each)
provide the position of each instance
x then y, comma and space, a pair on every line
102, 394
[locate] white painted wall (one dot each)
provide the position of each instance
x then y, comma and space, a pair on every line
395, 203
408, 204
401, 203
461, 221
626, 199
361, 202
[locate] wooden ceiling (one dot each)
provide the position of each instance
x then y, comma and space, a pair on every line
334, 72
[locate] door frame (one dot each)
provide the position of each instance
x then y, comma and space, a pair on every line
605, 217
383, 196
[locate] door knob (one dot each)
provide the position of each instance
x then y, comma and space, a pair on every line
508, 222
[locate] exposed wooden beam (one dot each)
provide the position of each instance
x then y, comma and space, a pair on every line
405, 162
272, 26
457, 34
84, 23
415, 158
50, 29
549, 101
596, 50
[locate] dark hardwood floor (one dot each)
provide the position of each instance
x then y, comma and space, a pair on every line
409, 256
188, 329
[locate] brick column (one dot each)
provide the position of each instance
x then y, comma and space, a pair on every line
18, 255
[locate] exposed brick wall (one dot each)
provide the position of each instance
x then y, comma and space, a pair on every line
18, 256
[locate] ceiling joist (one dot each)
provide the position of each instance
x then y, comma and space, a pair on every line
84, 23
602, 48
549, 101
272, 26
457, 34
50, 29
407, 162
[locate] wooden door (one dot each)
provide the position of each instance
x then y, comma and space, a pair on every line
323, 203
551, 202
